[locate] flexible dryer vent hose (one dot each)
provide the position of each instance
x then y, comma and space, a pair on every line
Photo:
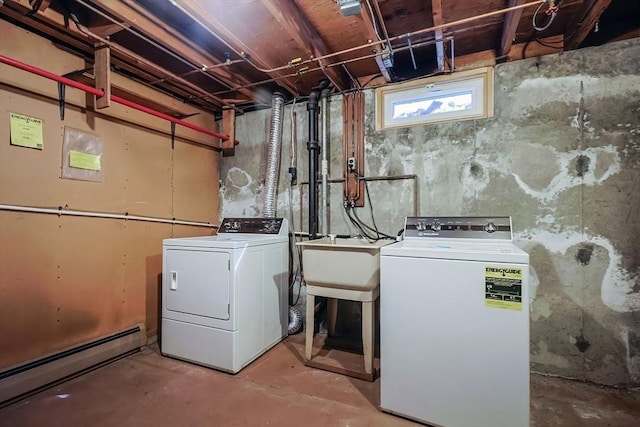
273, 156
295, 321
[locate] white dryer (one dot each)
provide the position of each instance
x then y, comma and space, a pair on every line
454, 324
225, 297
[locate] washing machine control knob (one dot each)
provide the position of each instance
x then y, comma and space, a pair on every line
436, 226
490, 227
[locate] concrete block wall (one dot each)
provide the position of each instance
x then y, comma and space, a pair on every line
561, 155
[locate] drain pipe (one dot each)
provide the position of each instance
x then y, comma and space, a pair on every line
324, 208
312, 146
273, 156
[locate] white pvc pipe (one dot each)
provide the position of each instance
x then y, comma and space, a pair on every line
324, 212
127, 217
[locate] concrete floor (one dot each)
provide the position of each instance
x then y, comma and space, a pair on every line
147, 389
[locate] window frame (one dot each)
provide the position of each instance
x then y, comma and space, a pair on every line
479, 81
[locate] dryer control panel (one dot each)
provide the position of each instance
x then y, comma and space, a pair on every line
487, 228
251, 225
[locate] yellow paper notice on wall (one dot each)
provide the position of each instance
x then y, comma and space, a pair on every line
26, 131
80, 160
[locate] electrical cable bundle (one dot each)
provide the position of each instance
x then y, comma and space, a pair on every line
297, 274
372, 234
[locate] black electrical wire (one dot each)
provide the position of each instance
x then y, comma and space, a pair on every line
371, 79
373, 219
379, 234
357, 225
297, 275
540, 42
362, 225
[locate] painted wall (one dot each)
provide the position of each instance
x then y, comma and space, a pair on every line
65, 280
561, 156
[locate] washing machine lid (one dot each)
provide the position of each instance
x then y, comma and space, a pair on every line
457, 249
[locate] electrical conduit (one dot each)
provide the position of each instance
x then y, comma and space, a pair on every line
62, 211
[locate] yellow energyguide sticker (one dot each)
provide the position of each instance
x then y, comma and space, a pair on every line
503, 287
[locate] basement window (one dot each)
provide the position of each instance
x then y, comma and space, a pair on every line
454, 97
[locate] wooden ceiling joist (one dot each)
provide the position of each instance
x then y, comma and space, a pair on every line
583, 22
53, 24
436, 9
511, 21
220, 31
367, 20
307, 37
103, 27
137, 17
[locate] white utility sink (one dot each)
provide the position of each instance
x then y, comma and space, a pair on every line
351, 263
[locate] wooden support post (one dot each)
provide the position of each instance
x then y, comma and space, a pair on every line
102, 71
436, 7
229, 128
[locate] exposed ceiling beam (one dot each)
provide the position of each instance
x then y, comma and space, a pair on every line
103, 27
511, 21
53, 24
583, 22
139, 18
307, 37
44, 4
436, 9
208, 21
367, 20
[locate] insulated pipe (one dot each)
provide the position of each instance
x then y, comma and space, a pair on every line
312, 146
97, 92
273, 156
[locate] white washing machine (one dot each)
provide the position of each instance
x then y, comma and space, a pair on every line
225, 297
454, 324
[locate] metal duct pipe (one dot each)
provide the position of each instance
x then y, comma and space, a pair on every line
273, 155
312, 146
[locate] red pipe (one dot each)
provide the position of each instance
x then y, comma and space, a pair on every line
51, 76
114, 98
148, 110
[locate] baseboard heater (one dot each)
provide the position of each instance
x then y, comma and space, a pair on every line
25, 378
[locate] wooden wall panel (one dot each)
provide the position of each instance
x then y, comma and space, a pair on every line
66, 280
33, 50
87, 290
194, 172
147, 168
28, 270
